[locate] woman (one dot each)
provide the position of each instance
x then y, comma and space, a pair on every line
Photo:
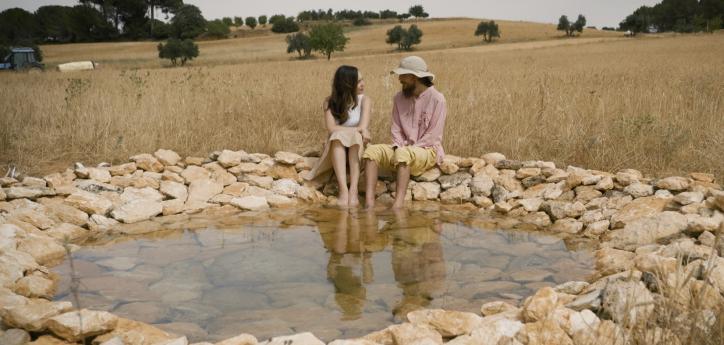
347, 115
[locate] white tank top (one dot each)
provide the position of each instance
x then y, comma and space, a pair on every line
354, 114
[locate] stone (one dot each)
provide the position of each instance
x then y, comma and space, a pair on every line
178, 341
30, 181
167, 157
638, 209
702, 177
101, 223
493, 157
133, 194
447, 323
88, 202
68, 325
172, 176
43, 249
241, 339
481, 184
229, 158
353, 342
258, 181
236, 188
673, 183
174, 190
34, 218
610, 261
648, 230
278, 201
35, 286
562, 209
540, 305
448, 168
532, 204
655, 264
281, 171
707, 239
34, 315
408, 333
198, 161
544, 332
430, 175
497, 307
523, 173
194, 173
483, 202
99, 174
285, 187
606, 183
539, 219
172, 206
67, 214
628, 176
698, 224
287, 158
533, 181
27, 192
296, 339
571, 288
200, 191
627, 302
686, 198
122, 169
426, 191
457, 194
454, 180
147, 162
250, 203
135, 333
567, 225
503, 207
596, 229
639, 190
14, 336
137, 210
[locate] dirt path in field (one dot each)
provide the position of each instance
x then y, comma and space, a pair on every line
533, 44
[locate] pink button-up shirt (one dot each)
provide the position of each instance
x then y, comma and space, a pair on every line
419, 121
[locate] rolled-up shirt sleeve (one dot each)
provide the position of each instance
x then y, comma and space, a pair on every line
398, 138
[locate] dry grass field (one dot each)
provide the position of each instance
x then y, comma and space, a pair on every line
654, 104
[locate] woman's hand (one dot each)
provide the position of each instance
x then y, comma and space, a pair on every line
366, 136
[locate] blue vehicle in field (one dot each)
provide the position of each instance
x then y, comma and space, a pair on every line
21, 59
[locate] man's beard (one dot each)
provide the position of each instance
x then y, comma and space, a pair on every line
408, 90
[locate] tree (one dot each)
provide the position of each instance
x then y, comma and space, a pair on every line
361, 21
227, 21
404, 39
418, 11
328, 38
217, 29
579, 24
251, 22
638, 22
488, 30
286, 25
277, 18
53, 21
17, 24
238, 21
564, 25
387, 14
262, 20
300, 43
188, 22
175, 49
165, 6
403, 16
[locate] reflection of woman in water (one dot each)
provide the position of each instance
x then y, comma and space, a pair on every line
349, 266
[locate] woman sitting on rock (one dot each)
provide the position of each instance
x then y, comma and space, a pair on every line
347, 115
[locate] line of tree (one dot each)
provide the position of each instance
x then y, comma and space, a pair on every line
571, 28
677, 16
416, 11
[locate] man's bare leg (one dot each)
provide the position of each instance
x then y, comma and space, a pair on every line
403, 179
370, 183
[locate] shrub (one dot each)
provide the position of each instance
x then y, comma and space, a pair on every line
285, 25
217, 29
488, 30
175, 49
262, 20
361, 21
250, 22
300, 43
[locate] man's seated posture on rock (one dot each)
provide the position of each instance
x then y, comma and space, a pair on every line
418, 122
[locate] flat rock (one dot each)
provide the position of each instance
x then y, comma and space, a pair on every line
34, 315
167, 157
648, 230
426, 191
540, 305
14, 336
43, 249
300, 339
627, 302
68, 325
27, 192
137, 210
287, 158
673, 183
447, 323
250, 203
88, 202
35, 286
638, 209
147, 162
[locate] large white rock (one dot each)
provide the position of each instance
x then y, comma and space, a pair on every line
648, 230
673, 183
229, 158
250, 203
447, 323
639, 190
42, 248
241, 339
193, 173
540, 305
88, 202
627, 302
74, 326
481, 184
174, 189
296, 339
457, 194
137, 210
203, 190
34, 315
288, 158
147, 193
167, 157
285, 187
425, 191
147, 162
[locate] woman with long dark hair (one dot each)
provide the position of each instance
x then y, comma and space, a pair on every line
347, 115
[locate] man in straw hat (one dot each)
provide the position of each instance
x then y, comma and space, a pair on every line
418, 122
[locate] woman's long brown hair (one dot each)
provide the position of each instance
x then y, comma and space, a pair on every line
344, 93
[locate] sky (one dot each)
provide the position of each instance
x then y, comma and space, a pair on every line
598, 12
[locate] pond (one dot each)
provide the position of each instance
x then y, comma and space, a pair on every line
336, 273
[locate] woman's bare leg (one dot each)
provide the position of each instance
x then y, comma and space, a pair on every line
353, 159
371, 179
339, 163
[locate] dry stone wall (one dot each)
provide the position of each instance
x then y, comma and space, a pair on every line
660, 239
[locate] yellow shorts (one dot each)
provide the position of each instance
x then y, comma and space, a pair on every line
419, 159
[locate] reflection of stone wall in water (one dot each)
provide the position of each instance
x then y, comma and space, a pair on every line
417, 262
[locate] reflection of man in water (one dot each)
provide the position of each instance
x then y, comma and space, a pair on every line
417, 260
349, 267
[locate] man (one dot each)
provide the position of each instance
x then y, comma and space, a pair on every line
418, 122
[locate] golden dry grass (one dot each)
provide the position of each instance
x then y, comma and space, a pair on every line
652, 104
267, 46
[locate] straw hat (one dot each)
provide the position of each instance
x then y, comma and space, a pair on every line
413, 65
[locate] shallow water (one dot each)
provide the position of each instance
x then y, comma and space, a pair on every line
334, 273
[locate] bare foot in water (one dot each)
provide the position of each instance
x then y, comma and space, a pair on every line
369, 204
398, 205
343, 199
353, 198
